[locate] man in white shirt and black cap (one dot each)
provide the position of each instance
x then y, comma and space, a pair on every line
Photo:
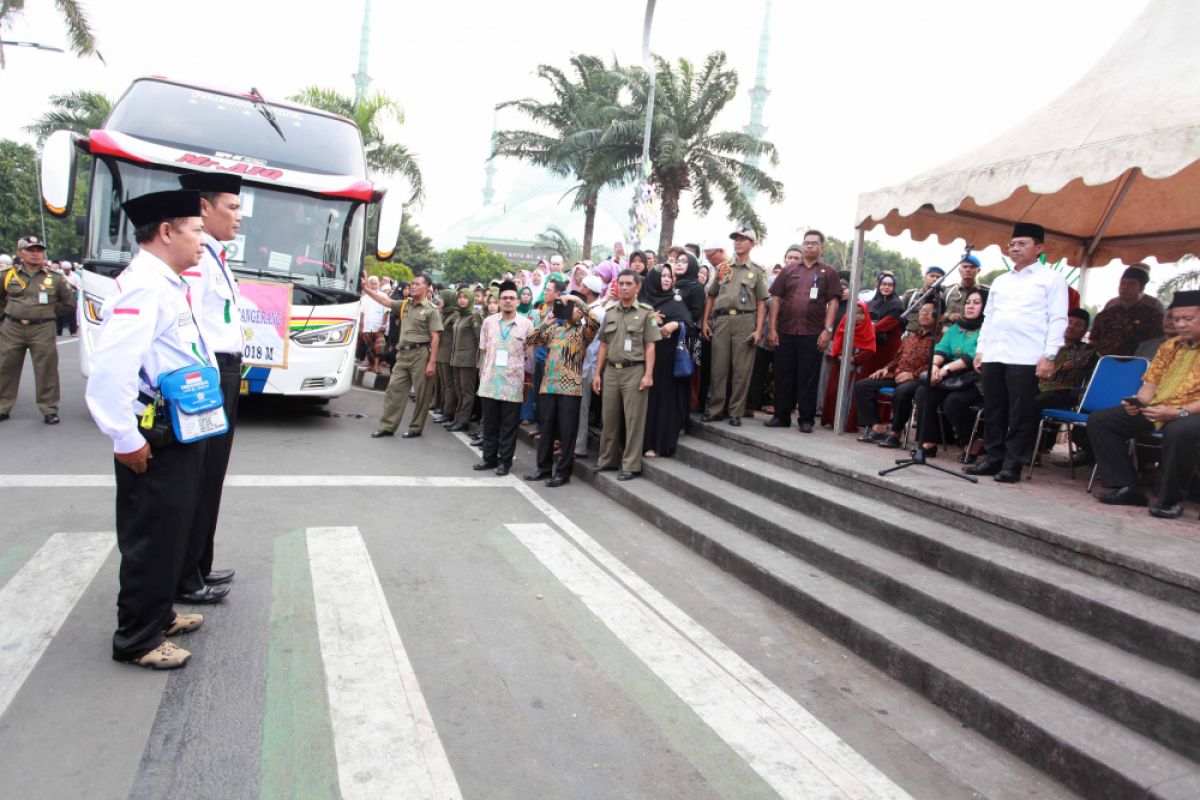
1023, 327
215, 302
148, 330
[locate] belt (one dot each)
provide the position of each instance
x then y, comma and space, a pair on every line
413, 346
229, 359
145, 399
30, 321
732, 312
624, 364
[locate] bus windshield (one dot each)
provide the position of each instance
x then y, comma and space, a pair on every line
311, 241
210, 122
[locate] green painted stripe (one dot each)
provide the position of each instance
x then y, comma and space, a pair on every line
14, 558
298, 759
725, 772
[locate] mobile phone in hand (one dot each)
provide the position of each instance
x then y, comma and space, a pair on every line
1134, 401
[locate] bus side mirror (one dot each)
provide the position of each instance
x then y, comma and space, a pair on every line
58, 172
391, 213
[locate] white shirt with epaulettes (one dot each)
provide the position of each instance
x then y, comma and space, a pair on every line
215, 297
146, 329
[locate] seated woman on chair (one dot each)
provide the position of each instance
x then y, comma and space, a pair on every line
952, 385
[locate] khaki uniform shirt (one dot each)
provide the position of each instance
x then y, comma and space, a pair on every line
22, 292
738, 287
420, 321
634, 325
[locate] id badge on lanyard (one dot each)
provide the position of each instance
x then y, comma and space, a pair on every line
502, 357
812, 293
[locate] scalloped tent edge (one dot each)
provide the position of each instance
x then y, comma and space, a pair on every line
1111, 168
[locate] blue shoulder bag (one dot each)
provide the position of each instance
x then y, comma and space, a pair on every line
194, 402
684, 366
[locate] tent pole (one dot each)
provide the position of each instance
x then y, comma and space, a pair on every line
1084, 269
1108, 218
842, 410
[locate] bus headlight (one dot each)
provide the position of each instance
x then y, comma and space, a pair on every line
91, 308
329, 336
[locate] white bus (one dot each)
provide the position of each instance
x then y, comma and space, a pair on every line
304, 212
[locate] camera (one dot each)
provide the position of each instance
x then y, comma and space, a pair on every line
562, 310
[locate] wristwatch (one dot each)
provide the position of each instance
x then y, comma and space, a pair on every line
828, 330
1183, 412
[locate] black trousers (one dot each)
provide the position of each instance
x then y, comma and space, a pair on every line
761, 380
1110, 430
797, 373
199, 558
559, 415
500, 421
1010, 413
865, 393
154, 516
956, 407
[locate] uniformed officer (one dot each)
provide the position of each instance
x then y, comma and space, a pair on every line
629, 329
416, 359
31, 297
446, 396
148, 329
215, 302
737, 301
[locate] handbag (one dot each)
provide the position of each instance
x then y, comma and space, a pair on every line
684, 365
194, 402
959, 380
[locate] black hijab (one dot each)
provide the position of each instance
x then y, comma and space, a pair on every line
977, 323
668, 302
889, 306
688, 285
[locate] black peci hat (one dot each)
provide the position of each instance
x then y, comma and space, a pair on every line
1188, 299
1030, 229
157, 206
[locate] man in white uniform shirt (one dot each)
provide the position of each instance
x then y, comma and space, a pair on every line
148, 329
1023, 328
215, 300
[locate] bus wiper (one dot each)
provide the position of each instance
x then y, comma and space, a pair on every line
267, 113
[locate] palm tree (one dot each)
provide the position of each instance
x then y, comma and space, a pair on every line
1188, 278
555, 240
369, 114
80, 111
575, 120
83, 41
685, 152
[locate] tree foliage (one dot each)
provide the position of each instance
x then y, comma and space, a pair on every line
20, 203
570, 145
383, 157
876, 260
79, 29
79, 111
415, 248
1188, 278
555, 240
473, 263
395, 271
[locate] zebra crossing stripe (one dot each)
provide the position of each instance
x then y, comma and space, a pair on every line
384, 736
35, 602
793, 752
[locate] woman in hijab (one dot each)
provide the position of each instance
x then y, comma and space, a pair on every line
667, 410
862, 350
578, 273
637, 263
537, 284
953, 383
525, 304
886, 309
687, 283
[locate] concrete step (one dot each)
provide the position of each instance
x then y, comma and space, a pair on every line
1147, 626
1157, 701
1161, 566
1088, 751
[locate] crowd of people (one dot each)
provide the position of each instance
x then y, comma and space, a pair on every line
636, 343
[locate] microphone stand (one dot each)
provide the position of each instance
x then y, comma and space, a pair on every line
916, 455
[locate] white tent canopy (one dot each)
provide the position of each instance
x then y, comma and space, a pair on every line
1111, 168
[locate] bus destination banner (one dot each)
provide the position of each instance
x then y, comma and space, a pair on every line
266, 313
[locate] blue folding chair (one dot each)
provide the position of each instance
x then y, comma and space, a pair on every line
885, 396
1115, 377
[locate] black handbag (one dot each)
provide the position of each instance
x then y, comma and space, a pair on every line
959, 380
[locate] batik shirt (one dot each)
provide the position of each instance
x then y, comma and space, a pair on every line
505, 383
566, 346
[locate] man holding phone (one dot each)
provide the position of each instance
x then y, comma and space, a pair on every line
1169, 401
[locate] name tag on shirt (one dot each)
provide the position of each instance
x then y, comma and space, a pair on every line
812, 293
186, 326
43, 298
628, 345
502, 359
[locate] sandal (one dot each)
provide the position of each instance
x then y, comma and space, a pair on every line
184, 623
167, 655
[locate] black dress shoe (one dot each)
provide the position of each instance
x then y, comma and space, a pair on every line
557, 481
1008, 476
203, 597
503, 470
456, 427
712, 417
1082, 458
967, 458
890, 442
1125, 496
735, 422
806, 427
410, 434
50, 419
381, 433
627, 475
1166, 511
929, 452
602, 468
441, 418
482, 465
218, 576
872, 436
984, 467
777, 422
540, 475
3, 417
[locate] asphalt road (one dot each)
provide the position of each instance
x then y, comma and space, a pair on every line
401, 627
